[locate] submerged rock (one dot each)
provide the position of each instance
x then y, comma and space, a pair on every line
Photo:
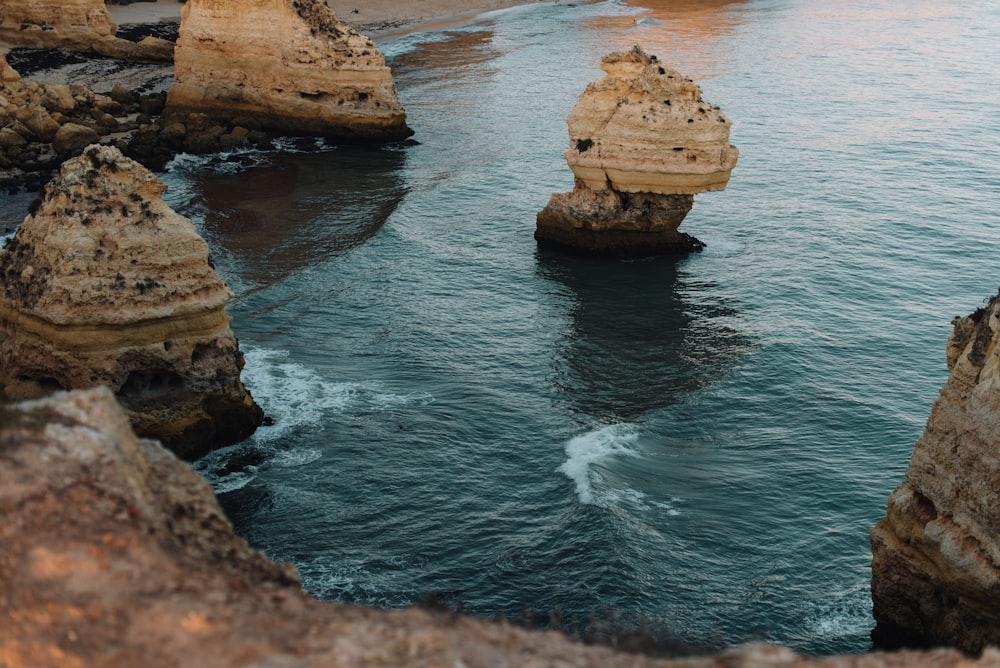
104, 284
116, 554
642, 143
291, 65
936, 555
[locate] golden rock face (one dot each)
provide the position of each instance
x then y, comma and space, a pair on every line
935, 573
290, 64
104, 284
74, 24
642, 143
645, 128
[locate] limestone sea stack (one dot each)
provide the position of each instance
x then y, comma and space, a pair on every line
104, 284
936, 555
642, 143
289, 65
72, 24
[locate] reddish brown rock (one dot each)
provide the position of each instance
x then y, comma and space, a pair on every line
115, 554
105, 285
936, 555
289, 64
642, 143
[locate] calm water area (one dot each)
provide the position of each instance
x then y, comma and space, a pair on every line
701, 443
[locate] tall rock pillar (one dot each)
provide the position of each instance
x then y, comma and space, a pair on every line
642, 143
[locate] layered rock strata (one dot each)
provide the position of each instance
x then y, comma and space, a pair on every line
82, 25
936, 554
72, 24
288, 64
116, 554
642, 143
105, 285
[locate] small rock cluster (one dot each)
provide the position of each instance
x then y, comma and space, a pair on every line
41, 125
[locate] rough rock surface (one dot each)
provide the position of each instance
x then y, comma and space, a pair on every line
81, 25
936, 555
73, 24
288, 64
105, 285
642, 143
43, 124
116, 554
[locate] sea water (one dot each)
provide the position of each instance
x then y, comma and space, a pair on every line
700, 443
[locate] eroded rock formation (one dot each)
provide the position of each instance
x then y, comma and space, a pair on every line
104, 284
288, 64
72, 24
116, 554
642, 143
82, 25
936, 555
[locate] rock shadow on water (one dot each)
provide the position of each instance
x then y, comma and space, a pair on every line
271, 218
644, 334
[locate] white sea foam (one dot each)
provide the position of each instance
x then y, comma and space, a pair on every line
582, 452
842, 614
297, 399
291, 394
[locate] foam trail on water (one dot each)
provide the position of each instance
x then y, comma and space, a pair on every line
594, 447
290, 393
297, 399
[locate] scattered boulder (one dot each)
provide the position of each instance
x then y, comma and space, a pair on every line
104, 284
936, 554
72, 137
642, 143
290, 64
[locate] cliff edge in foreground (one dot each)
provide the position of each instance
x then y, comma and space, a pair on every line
116, 554
290, 65
104, 284
936, 555
642, 143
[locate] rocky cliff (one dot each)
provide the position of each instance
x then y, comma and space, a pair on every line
116, 554
73, 24
105, 285
288, 64
82, 25
936, 555
642, 143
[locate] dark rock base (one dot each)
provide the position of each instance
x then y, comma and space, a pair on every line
613, 224
913, 610
616, 243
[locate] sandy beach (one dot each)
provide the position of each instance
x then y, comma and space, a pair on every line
379, 19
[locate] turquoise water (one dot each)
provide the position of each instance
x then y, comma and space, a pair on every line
702, 443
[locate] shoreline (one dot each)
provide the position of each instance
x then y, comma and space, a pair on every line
382, 20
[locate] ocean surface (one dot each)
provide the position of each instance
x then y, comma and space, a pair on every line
697, 443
